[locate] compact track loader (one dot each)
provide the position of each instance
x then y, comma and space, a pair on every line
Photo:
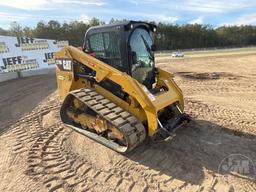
112, 91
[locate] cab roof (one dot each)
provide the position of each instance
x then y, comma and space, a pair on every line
124, 24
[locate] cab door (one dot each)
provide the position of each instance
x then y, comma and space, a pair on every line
142, 62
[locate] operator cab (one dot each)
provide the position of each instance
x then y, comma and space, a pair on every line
126, 46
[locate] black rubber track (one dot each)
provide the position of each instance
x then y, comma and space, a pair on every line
133, 131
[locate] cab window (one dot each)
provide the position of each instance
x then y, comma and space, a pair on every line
107, 48
142, 56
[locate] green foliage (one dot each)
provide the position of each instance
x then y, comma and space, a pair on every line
3, 32
167, 37
15, 29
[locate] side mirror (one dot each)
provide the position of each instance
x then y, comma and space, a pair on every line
153, 47
134, 57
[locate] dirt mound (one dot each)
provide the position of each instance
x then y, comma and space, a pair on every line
49, 119
208, 76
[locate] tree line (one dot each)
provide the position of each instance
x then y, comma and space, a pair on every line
167, 37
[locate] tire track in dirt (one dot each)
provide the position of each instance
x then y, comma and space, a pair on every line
236, 120
80, 174
208, 99
54, 164
217, 86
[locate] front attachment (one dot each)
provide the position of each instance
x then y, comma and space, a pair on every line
167, 130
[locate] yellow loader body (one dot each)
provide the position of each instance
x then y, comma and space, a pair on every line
144, 105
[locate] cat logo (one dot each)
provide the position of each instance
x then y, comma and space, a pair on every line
64, 64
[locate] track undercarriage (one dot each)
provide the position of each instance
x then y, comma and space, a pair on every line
91, 114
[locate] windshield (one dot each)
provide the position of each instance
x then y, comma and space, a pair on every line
142, 56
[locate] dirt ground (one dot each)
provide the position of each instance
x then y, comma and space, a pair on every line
39, 154
21, 96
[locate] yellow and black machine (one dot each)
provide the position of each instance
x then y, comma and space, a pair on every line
112, 91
